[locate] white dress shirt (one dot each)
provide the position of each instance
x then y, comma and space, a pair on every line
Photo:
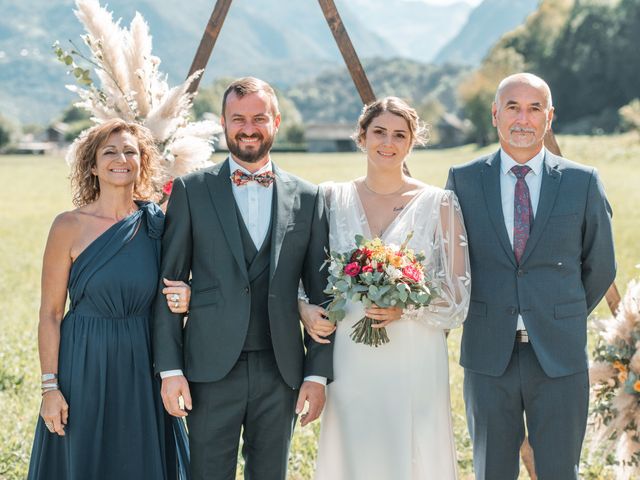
254, 203
507, 192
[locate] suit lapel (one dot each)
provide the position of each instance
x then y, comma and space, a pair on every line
284, 191
223, 201
493, 199
551, 177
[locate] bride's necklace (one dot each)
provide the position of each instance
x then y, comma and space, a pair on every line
389, 201
371, 190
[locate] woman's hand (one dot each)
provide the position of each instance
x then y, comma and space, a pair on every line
178, 295
315, 321
384, 315
54, 411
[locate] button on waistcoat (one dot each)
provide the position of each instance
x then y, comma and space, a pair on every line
257, 263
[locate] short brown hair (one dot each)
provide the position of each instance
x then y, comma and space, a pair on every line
84, 186
245, 86
417, 128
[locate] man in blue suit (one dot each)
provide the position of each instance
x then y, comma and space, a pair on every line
541, 250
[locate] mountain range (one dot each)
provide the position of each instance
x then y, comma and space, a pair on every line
285, 42
483, 28
414, 29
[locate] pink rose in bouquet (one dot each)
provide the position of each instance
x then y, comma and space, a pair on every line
412, 273
375, 273
352, 269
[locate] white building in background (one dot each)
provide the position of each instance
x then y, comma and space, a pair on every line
329, 137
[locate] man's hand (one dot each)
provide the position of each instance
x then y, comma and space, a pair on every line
172, 389
313, 393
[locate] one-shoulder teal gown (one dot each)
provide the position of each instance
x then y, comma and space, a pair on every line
117, 427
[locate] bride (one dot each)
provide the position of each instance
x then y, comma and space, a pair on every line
388, 412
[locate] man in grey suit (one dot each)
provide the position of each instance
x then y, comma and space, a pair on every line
541, 251
246, 233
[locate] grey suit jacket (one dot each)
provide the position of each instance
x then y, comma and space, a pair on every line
566, 268
202, 240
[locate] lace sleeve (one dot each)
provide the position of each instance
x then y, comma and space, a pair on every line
449, 265
326, 189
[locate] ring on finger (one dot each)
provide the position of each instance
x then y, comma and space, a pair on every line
175, 297
176, 305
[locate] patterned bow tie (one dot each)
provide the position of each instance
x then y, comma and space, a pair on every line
241, 178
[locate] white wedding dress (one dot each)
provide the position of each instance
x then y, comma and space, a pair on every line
388, 413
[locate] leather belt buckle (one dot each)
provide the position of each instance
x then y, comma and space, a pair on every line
522, 336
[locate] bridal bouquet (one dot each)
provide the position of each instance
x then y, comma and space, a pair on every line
376, 274
615, 379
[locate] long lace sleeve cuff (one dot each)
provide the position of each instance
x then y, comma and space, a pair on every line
302, 295
449, 268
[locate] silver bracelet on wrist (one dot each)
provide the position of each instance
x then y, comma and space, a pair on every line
54, 386
48, 376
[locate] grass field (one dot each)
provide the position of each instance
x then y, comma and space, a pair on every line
35, 189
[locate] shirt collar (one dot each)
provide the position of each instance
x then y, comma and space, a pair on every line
506, 162
233, 166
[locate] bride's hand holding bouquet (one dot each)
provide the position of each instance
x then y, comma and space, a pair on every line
385, 278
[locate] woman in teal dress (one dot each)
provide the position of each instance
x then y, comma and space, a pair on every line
102, 415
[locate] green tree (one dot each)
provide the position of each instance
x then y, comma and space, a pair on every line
75, 114
586, 50
430, 111
209, 98
631, 115
295, 134
332, 97
478, 91
291, 127
5, 132
78, 119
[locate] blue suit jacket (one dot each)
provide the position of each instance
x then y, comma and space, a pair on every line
566, 268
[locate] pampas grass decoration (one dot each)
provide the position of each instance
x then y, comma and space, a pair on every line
132, 88
141, 69
615, 380
169, 113
105, 39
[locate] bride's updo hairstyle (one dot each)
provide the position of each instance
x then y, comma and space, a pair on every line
82, 159
417, 128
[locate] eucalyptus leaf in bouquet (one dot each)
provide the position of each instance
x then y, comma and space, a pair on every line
376, 274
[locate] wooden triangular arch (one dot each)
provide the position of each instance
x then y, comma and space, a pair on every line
332, 16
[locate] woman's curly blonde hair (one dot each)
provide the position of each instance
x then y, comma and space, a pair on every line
85, 185
417, 128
